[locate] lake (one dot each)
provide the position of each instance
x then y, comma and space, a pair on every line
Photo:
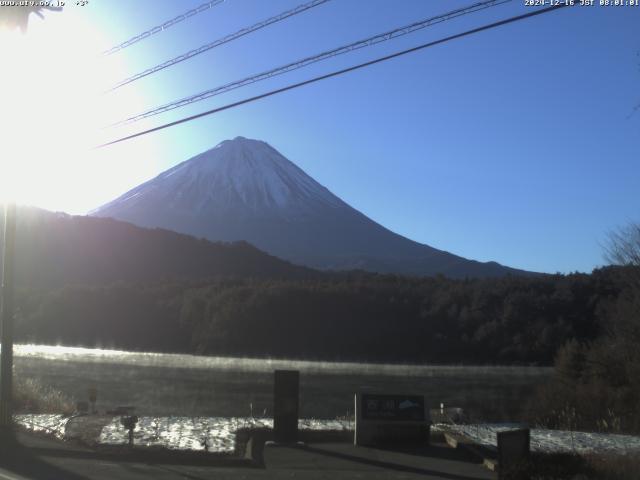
189, 385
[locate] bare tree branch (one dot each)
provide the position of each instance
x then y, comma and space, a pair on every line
623, 246
18, 16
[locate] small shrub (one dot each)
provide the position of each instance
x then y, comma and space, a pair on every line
31, 396
594, 389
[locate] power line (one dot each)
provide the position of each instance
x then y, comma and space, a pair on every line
382, 37
216, 43
338, 72
159, 28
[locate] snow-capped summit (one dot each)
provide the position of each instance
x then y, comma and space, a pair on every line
235, 174
244, 189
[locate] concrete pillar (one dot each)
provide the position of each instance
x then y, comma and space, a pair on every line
513, 454
285, 405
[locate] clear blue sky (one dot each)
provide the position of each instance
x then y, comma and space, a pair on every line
513, 145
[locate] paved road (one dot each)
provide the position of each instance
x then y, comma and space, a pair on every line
36, 458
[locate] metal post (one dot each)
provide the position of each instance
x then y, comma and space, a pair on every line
6, 316
18, 16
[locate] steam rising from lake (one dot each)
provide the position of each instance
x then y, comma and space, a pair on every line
169, 360
167, 385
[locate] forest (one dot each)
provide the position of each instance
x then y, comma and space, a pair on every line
350, 316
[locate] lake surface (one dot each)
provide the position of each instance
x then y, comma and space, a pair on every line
188, 385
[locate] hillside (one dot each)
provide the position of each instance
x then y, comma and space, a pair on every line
55, 249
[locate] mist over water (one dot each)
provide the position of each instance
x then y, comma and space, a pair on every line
175, 384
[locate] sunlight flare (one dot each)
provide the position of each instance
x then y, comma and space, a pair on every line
53, 110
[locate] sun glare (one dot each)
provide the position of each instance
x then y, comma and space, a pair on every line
52, 110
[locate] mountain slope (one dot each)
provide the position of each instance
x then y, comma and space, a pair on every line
54, 249
245, 190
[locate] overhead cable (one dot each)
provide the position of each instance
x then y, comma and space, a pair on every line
336, 73
221, 41
160, 28
382, 37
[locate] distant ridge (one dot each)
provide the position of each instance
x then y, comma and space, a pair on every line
55, 249
246, 190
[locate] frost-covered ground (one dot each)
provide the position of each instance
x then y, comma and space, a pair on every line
179, 433
549, 441
54, 424
190, 433
186, 433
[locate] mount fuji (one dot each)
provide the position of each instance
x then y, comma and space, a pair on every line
244, 189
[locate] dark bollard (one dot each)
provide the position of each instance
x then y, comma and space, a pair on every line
513, 454
285, 406
129, 422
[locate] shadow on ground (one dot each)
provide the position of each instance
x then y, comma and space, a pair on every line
432, 452
436, 450
24, 461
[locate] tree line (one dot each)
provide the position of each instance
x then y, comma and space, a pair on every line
352, 316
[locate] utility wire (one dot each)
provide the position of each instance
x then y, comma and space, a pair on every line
216, 43
159, 28
383, 37
339, 72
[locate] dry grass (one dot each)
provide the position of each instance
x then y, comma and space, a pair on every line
565, 466
31, 396
615, 467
